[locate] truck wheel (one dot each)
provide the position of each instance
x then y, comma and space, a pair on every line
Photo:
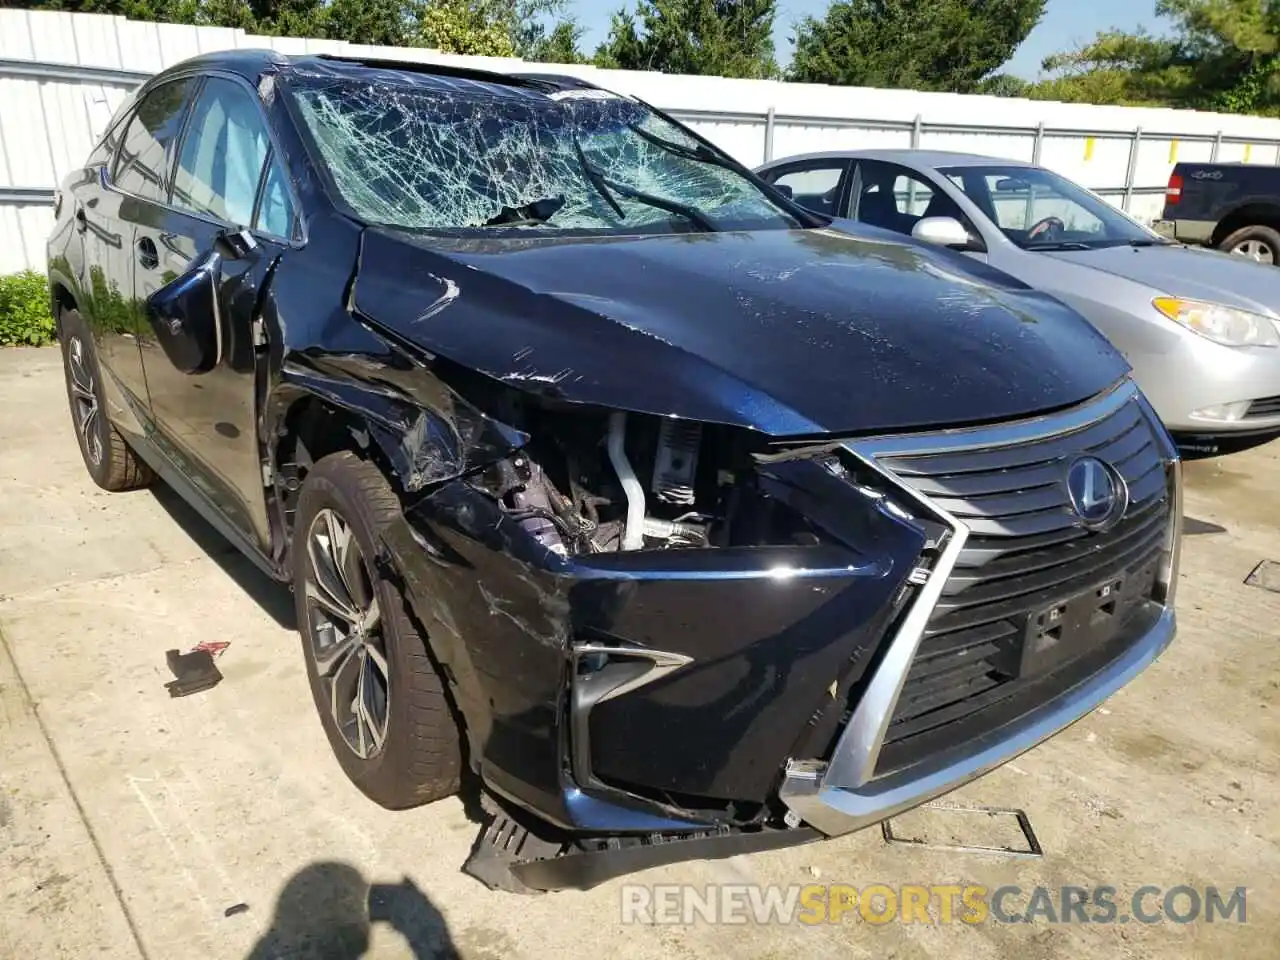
1257, 243
110, 462
381, 699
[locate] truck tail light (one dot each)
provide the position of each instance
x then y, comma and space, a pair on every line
1173, 193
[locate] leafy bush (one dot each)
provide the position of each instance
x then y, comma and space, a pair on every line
24, 310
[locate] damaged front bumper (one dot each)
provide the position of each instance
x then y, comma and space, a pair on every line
652, 706
633, 692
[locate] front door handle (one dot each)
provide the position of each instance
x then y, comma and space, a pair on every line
82, 220
148, 256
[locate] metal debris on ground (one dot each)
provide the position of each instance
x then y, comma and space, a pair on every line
1193, 527
1033, 848
194, 672
1265, 575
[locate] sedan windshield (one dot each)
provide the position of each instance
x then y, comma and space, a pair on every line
1039, 210
521, 158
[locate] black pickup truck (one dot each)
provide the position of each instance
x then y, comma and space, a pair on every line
1230, 206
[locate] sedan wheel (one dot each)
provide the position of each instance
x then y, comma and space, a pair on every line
84, 401
1255, 250
347, 642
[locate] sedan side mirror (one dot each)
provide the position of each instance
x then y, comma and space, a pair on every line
943, 232
785, 190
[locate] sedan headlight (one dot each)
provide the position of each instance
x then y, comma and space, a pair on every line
1221, 324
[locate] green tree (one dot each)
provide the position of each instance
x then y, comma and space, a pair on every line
1004, 85
465, 27
364, 21
725, 38
558, 45
490, 27
946, 45
1220, 55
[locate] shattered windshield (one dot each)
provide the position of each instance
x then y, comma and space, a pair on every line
582, 160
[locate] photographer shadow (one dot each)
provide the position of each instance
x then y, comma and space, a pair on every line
326, 911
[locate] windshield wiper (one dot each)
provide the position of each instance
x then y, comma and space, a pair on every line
698, 152
693, 214
596, 178
530, 215
1144, 242
607, 188
1060, 245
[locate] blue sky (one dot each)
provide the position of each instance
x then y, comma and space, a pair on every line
1065, 23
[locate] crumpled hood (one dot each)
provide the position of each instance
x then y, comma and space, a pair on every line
786, 332
1191, 272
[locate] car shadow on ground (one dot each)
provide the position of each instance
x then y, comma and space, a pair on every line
273, 597
327, 911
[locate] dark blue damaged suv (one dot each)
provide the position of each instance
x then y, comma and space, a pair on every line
680, 521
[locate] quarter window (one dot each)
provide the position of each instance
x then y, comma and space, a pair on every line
142, 164
275, 212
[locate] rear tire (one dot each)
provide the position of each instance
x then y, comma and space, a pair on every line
1257, 243
381, 700
109, 460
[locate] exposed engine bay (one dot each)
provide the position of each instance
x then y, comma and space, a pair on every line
597, 482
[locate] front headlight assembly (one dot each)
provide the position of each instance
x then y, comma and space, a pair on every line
1229, 326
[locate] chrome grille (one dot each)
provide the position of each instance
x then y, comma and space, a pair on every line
1026, 551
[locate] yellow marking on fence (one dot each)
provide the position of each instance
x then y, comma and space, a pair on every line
1248, 151
1088, 148
1173, 151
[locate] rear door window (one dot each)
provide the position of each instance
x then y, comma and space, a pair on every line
142, 164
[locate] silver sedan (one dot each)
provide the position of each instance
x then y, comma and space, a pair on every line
1200, 328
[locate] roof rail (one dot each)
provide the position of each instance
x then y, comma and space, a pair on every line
444, 70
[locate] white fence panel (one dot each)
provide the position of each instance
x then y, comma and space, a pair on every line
63, 75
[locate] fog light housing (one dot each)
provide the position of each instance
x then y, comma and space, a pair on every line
1223, 412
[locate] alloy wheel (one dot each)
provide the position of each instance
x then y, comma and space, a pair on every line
84, 401
345, 634
1255, 250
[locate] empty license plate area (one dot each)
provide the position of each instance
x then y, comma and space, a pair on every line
1064, 630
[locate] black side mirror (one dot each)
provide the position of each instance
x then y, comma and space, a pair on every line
785, 190
184, 316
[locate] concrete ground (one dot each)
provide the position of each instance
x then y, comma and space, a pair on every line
130, 822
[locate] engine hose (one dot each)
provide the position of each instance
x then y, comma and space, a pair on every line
633, 532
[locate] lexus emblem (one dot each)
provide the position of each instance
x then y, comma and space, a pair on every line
1098, 493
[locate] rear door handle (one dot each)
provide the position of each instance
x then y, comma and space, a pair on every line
148, 256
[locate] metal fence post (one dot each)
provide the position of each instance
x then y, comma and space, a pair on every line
1217, 145
1037, 149
770, 118
917, 128
1134, 146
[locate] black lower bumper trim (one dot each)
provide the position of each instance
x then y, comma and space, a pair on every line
584, 869
1195, 445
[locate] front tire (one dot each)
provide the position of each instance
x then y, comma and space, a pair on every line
109, 460
380, 697
1258, 243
